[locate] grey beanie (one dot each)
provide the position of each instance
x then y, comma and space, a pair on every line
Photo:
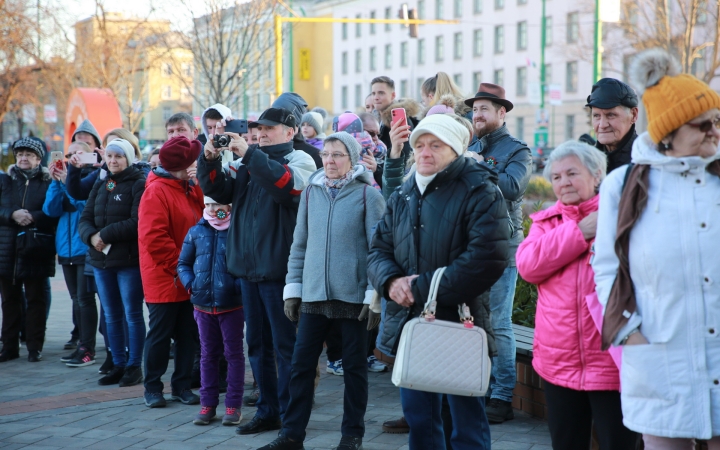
313, 119
320, 110
87, 127
353, 147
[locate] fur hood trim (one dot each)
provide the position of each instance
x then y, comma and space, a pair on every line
412, 109
458, 104
13, 172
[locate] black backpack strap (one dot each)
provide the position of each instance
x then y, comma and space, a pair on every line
627, 176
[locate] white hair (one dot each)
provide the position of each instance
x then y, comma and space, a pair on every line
593, 159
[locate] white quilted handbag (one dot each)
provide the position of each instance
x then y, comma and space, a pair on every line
442, 356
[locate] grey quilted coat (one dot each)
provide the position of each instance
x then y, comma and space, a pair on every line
460, 222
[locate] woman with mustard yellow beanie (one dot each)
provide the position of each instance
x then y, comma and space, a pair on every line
657, 264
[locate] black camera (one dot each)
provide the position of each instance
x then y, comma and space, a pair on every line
239, 126
221, 140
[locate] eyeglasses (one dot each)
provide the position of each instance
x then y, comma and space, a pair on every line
334, 156
704, 127
372, 133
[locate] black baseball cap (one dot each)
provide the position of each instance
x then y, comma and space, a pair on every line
275, 116
608, 93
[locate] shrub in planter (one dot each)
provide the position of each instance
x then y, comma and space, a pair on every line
526, 294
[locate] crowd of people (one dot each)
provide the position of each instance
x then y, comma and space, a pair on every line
291, 238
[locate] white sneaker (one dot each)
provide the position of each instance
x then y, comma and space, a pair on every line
335, 367
374, 365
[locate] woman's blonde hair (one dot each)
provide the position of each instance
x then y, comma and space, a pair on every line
439, 85
122, 133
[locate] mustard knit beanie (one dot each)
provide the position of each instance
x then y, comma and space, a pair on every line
671, 99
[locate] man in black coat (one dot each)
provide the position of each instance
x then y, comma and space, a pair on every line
298, 106
614, 108
450, 213
22, 222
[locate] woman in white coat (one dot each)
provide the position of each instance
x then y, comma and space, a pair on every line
662, 303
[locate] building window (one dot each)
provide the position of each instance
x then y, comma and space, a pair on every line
358, 95
403, 54
167, 69
521, 81
522, 36
571, 76
548, 31
457, 46
187, 70
499, 39
499, 77
167, 113
439, 9
702, 10
167, 92
499, 4
477, 80
344, 63
457, 8
373, 58
457, 78
699, 65
403, 88
358, 27
573, 27
344, 31
421, 9
388, 56
388, 15
372, 25
344, 98
477, 42
569, 127
548, 73
421, 51
520, 131
439, 48
185, 95
477, 6
358, 61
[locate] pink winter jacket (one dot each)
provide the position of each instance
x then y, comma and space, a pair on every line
556, 257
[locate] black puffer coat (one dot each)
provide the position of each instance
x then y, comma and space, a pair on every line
112, 210
461, 223
17, 192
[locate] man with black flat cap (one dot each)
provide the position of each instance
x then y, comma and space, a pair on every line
511, 159
614, 111
264, 188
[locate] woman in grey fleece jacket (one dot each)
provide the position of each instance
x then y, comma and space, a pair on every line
327, 285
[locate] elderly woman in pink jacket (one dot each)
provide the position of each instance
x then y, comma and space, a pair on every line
581, 382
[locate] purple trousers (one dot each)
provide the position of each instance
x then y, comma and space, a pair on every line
218, 332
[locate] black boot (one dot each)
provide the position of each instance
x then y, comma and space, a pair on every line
108, 365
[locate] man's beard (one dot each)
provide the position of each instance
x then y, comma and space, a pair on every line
487, 129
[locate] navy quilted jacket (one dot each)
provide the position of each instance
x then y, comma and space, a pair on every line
202, 268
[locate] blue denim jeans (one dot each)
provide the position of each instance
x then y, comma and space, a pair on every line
270, 335
471, 429
502, 380
120, 291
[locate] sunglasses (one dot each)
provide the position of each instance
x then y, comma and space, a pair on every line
705, 126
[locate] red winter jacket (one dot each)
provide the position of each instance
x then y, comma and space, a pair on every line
556, 257
169, 207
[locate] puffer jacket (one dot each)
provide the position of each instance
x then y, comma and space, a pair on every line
264, 188
112, 210
511, 160
461, 223
169, 208
202, 269
556, 257
17, 192
70, 248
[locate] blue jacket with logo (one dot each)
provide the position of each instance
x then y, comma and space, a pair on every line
202, 269
58, 203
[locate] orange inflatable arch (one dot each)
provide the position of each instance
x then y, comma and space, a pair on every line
97, 105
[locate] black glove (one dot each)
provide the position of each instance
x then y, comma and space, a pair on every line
372, 318
292, 309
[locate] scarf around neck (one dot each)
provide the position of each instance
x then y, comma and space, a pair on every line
333, 186
423, 181
218, 224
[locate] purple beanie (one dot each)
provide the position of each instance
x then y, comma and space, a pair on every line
440, 109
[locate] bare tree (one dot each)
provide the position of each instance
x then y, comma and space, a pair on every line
227, 41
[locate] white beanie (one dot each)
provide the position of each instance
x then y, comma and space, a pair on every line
209, 200
123, 146
444, 128
313, 119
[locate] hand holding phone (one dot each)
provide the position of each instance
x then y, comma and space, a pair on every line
398, 114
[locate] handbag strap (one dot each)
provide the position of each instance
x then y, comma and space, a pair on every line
431, 304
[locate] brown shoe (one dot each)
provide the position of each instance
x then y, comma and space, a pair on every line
396, 426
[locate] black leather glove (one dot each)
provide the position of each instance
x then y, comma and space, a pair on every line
372, 318
292, 309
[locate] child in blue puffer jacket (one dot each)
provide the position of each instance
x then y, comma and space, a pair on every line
215, 294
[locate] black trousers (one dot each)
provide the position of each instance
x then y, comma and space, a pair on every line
313, 330
334, 343
85, 311
176, 321
35, 315
571, 415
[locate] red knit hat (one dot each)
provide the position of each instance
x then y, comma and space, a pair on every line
179, 153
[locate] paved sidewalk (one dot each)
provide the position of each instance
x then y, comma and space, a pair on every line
47, 405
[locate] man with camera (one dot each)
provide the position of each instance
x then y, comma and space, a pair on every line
264, 188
